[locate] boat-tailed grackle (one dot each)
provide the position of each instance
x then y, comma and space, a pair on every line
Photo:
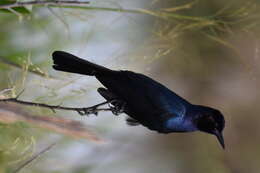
146, 101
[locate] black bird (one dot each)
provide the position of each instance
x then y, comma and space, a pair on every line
147, 102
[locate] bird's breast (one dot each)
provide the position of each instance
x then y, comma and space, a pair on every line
180, 124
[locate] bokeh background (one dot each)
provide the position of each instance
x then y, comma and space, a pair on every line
206, 51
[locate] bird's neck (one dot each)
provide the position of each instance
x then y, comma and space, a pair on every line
186, 123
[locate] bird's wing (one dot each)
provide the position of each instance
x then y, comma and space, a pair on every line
147, 101
158, 102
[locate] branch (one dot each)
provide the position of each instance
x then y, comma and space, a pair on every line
80, 5
47, 2
34, 157
114, 106
35, 71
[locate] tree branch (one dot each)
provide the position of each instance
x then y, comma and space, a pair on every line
46, 2
31, 69
113, 106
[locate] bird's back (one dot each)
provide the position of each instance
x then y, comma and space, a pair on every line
148, 101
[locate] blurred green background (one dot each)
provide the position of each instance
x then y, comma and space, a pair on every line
206, 51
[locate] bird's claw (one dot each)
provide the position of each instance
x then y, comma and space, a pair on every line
88, 111
117, 106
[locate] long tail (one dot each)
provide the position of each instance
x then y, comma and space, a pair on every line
64, 61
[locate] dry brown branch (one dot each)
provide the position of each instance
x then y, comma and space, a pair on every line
46, 2
82, 111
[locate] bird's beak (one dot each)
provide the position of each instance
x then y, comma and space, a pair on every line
219, 135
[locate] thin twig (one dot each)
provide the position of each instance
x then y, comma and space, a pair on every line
19, 66
82, 111
34, 157
47, 2
80, 5
114, 106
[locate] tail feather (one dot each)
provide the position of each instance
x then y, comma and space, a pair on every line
64, 61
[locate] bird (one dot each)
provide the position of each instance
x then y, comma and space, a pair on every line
146, 101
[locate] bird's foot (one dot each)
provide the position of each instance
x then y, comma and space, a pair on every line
93, 109
88, 111
117, 106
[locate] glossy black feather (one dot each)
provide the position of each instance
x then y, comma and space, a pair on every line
64, 61
147, 101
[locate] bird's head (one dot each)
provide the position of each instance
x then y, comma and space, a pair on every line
211, 121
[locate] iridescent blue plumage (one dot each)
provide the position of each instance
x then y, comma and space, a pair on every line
171, 107
146, 101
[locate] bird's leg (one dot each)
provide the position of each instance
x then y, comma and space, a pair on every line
117, 106
93, 109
